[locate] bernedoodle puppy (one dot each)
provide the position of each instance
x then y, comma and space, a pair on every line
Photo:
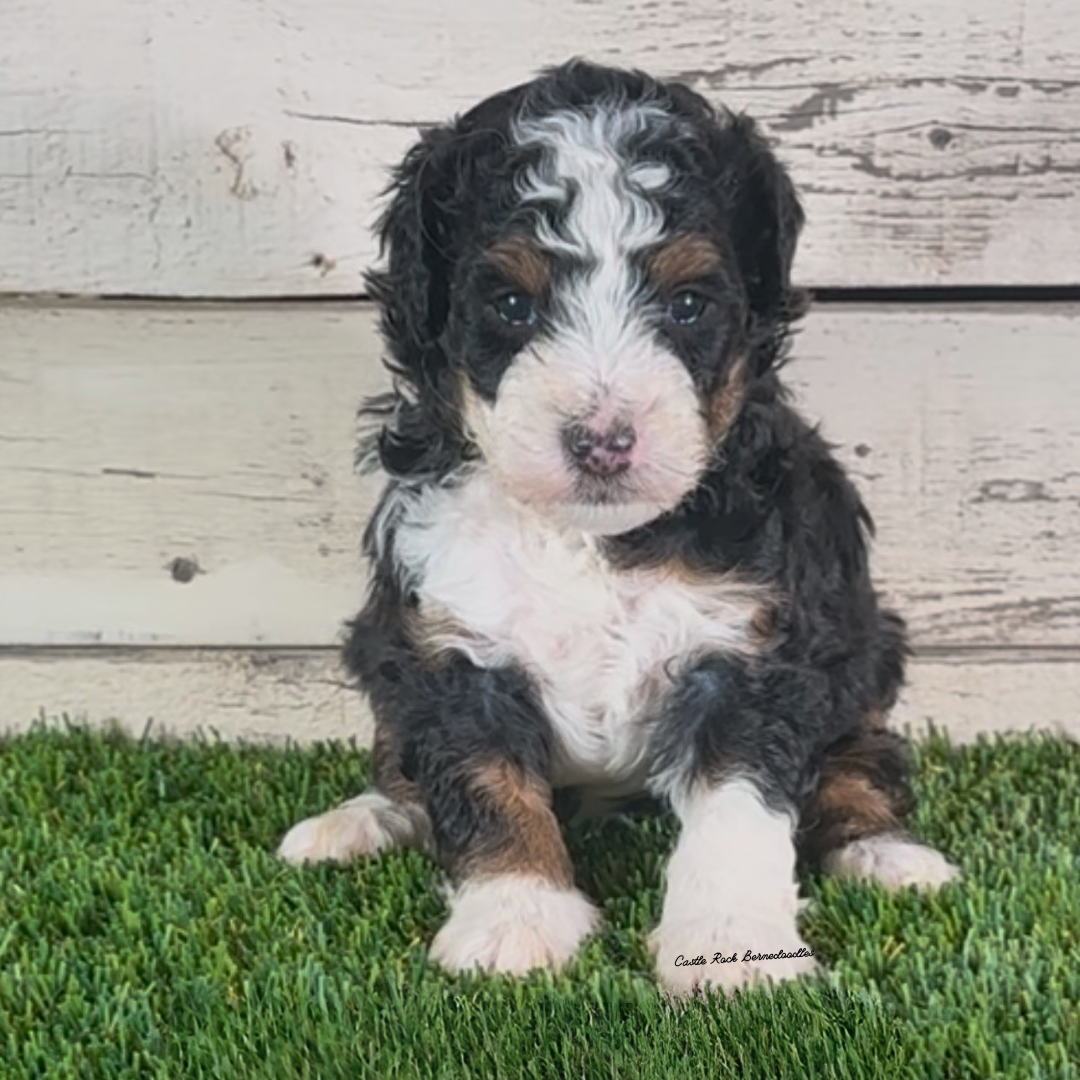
610, 560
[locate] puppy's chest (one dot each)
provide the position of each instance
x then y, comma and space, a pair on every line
601, 644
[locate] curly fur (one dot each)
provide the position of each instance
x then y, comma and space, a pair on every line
731, 637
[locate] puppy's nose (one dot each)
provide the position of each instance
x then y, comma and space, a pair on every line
600, 453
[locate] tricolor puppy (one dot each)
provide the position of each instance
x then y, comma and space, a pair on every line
610, 560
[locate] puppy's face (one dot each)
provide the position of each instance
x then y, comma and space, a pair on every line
597, 332
593, 311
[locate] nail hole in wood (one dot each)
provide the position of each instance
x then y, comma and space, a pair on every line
184, 570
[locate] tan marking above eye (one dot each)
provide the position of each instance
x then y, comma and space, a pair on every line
522, 263
683, 260
727, 401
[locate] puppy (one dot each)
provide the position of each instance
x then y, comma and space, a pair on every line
610, 560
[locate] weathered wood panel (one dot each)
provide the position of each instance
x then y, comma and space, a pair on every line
257, 695
221, 148
301, 695
132, 436
962, 429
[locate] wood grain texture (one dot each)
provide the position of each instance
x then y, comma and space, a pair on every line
301, 695
133, 436
223, 148
961, 429
255, 695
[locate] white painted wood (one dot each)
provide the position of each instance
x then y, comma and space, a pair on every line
301, 695
225, 148
133, 435
961, 428
254, 695
969, 692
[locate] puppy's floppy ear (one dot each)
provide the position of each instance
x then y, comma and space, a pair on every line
416, 428
405, 429
414, 243
764, 221
418, 231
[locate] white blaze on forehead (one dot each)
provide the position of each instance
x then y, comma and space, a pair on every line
585, 152
585, 166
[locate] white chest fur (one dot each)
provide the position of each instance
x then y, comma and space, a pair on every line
601, 643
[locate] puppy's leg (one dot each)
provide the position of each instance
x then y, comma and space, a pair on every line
729, 758
514, 906
731, 895
853, 825
389, 814
476, 744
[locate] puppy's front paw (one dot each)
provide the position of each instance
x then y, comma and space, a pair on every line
512, 924
725, 949
894, 861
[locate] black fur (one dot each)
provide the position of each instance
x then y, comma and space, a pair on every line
775, 505
448, 719
779, 508
455, 191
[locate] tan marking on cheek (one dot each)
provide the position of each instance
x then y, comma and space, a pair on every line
726, 401
875, 720
521, 263
763, 626
531, 842
683, 260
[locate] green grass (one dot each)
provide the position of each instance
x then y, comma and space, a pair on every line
147, 931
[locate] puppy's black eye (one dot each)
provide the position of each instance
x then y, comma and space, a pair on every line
686, 307
515, 308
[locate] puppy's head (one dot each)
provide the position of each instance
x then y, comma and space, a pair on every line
583, 276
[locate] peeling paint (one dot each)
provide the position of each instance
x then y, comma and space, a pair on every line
139, 474
235, 144
167, 185
823, 103
716, 78
1013, 491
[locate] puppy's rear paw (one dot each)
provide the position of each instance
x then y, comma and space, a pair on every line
512, 924
893, 860
362, 826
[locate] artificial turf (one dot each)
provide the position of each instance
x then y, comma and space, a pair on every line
146, 930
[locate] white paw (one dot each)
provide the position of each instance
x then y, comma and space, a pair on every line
359, 827
892, 860
513, 923
733, 950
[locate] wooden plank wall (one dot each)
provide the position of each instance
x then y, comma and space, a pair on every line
180, 523
220, 148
